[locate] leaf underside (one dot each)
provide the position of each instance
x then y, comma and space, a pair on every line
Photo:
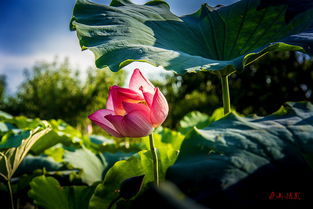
219, 40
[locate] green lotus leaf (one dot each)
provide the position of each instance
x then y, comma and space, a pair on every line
13, 138
48, 193
137, 165
199, 120
221, 40
31, 163
61, 133
90, 164
237, 162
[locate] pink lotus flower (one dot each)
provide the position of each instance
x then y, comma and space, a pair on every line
133, 111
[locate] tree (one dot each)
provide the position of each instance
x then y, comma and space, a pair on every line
2, 88
54, 90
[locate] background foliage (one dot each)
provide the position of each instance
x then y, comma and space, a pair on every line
55, 90
217, 160
261, 89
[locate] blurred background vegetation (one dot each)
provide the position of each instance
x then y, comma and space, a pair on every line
54, 90
261, 89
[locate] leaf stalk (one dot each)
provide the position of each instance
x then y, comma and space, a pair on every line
226, 95
11, 193
155, 161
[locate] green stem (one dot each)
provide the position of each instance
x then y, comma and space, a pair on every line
11, 194
225, 91
155, 161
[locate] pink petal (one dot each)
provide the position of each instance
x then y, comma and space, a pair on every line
109, 103
139, 82
134, 124
159, 108
117, 121
148, 97
131, 107
98, 118
137, 124
117, 95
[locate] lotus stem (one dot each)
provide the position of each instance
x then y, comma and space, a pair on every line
226, 96
11, 193
155, 161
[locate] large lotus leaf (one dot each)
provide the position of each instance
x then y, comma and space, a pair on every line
56, 152
112, 158
166, 196
164, 138
304, 39
137, 165
48, 193
23, 122
93, 166
199, 120
61, 133
13, 138
237, 162
98, 143
90, 164
215, 39
32, 163
14, 129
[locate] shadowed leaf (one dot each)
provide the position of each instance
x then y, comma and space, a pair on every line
219, 40
236, 162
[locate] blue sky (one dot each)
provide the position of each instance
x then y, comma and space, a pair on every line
38, 30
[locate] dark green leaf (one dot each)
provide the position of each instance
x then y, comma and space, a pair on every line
32, 163
98, 143
304, 39
293, 7
112, 158
137, 165
218, 40
48, 193
236, 162
130, 187
167, 196
13, 138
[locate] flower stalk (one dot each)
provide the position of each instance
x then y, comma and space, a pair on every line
226, 96
11, 193
155, 161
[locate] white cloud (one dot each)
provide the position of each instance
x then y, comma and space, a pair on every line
66, 46
13, 65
